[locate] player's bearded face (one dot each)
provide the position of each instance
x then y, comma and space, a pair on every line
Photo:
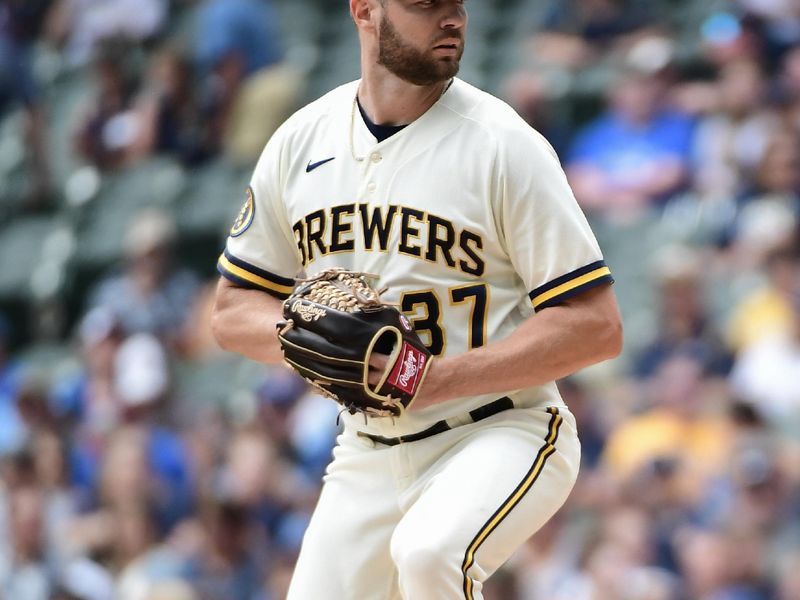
419, 67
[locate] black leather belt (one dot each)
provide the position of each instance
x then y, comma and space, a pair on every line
485, 411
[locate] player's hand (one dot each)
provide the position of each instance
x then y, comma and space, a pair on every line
427, 396
377, 365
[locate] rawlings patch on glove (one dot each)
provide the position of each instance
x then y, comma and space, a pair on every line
334, 322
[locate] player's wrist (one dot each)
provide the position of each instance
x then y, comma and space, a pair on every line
435, 387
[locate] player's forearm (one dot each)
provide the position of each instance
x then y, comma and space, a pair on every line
550, 345
244, 320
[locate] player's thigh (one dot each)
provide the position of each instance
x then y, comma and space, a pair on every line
496, 488
345, 551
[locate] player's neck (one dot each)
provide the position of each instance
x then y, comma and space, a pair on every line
388, 100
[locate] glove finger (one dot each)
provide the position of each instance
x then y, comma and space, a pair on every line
355, 402
348, 376
335, 326
308, 342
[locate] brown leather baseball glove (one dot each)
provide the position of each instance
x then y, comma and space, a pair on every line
334, 322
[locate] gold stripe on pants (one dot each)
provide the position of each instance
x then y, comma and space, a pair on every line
514, 499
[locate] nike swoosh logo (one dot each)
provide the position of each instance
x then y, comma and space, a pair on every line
310, 167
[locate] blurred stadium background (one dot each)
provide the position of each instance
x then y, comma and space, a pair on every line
140, 462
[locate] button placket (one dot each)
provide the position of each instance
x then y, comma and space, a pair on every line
373, 159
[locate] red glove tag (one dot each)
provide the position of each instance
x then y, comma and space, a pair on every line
408, 369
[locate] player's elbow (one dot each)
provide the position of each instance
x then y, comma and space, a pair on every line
218, 328
601, 324
612, 336
220, 319
608, 331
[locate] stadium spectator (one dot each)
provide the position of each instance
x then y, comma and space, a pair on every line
80, 26
771, 210
715, 564
107, 126
12, 430
767, 310
547, 564
302, 424
143, 460
570, 44
227, 566
86, 399
788, 89
157, 567
20, 26
128, 478
60, 502
277, 584
143, 383
789, 575
778, 176
136, 532
270, 487
761, 499
23, 572
637, 154
732, 139
248, 89
151, 295
726, 36
576, 33
684, 324
767, 373
168, 112
685, 426
777, 22
84, 579
278, 394
588, 414
313, 434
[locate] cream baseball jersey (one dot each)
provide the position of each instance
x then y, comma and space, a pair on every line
465, 215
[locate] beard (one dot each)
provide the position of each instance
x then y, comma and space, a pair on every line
412, 65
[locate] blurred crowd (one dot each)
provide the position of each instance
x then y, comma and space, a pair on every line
220, 86
683, 141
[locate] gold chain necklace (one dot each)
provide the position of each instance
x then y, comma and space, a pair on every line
352, 130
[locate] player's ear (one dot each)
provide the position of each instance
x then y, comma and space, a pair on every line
363, 13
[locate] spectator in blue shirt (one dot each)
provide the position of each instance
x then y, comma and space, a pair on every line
635, 155
244, 32
12, 428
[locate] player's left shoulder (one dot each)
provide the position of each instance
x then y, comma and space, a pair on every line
496, 119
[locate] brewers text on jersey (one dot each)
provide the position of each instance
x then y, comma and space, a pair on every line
419, 234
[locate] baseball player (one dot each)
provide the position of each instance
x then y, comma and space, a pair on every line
466, 216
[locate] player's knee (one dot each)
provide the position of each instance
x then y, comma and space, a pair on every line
420, 561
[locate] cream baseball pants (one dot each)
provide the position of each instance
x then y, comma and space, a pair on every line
434, 518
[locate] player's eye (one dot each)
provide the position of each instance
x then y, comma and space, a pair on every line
435, 2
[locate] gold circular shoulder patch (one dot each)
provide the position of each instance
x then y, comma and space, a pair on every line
245, 216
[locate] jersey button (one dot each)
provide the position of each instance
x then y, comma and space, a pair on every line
371, 187
376, 157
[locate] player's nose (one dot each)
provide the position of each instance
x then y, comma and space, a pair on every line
455, 16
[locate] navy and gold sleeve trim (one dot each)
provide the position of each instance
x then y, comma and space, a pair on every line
571, 284
246, 275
